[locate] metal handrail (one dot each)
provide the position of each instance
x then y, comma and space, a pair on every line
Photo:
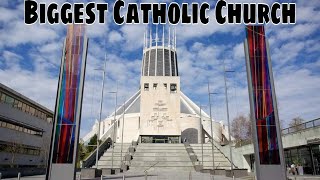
218, 146
306, 125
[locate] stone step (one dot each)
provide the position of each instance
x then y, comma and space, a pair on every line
163, 175
161, 163
210, 160
210, 155
159, 145
114, 153
161, 148
154, 153
103, 158
161, 170
216, 164
154, 159
109, 163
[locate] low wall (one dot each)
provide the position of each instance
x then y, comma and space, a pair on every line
13, 172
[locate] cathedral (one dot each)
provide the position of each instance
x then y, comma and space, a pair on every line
159, 112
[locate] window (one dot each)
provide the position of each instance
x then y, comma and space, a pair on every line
43, 116
165, 85
3, 97
15, 104
36, 112
4, 124
32, 111
24, 106
155, 86
173, 88
20, 105
27, 109
146, 86
49, 119
9, 100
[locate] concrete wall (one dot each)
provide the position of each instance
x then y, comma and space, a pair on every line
160, 108
10, 135
131, 128
190, 128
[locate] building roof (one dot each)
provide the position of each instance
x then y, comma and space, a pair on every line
132, 105
17, 95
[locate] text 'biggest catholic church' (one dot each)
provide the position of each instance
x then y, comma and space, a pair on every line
159, 112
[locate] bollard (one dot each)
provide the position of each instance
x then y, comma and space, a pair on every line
123, 178
19, 175
146, 175
101, 177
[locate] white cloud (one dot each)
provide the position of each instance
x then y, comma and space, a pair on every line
114, 37
133, 36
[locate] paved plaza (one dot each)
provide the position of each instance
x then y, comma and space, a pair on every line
170, 176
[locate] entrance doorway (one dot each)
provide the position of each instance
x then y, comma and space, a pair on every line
159, 139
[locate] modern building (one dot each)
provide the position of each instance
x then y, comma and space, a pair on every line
25, 131
159, 112
301, 146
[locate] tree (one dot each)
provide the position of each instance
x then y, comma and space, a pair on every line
92, 143
82, 153
296, 124
13, 148
46, 142
241, 128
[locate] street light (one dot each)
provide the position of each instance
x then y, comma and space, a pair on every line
124, 109
101, 103
227, 106
212, 148
114, 126
201, 134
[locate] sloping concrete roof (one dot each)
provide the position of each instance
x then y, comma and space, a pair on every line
132, 106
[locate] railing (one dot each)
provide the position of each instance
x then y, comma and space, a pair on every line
218, 147
306, 125
91, 159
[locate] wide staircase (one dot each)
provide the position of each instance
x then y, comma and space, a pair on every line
160, 157
220, 160
111, 158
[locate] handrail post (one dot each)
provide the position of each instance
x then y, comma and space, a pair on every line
313, 123
146, 175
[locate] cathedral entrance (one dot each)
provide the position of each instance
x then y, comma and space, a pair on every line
160, 139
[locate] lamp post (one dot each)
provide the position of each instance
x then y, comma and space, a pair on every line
227, 106
201, 130
100, 114
124, 109
201, 135
114, 121
212, 148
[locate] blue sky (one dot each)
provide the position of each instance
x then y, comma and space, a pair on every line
30, 57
